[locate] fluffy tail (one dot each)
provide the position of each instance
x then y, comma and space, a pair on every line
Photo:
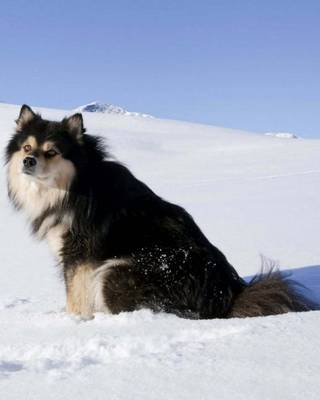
269, 294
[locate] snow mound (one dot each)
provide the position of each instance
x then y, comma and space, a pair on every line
282, 135
97, 107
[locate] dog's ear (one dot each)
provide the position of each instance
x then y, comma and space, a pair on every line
75, 126
26, 115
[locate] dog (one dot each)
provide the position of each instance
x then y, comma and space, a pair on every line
120, 246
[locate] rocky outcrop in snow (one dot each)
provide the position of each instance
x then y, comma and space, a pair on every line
98, 107
282, 135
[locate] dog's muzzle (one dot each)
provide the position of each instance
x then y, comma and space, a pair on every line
29, 164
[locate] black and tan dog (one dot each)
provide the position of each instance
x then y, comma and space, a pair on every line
122, 247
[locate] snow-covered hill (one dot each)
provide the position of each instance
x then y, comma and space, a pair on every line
251, 194
98, 107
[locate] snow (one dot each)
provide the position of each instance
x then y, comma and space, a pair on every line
98, 107
251, 195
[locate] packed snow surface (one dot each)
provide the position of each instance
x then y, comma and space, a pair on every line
251, 195
98, 107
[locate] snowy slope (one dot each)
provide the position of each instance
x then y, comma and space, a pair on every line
251, 194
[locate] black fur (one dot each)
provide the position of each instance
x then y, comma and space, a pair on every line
171, 265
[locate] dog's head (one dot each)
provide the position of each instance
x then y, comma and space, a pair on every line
41, 150
41, 153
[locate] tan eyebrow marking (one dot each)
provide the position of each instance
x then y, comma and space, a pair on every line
31, 140
48, 146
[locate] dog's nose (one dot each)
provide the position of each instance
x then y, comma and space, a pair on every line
29, 162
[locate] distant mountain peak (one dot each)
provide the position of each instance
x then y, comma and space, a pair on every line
283, 135
98, 107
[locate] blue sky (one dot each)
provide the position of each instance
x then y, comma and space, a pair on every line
246, 64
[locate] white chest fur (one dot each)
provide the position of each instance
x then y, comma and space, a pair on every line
54, 233
54, 238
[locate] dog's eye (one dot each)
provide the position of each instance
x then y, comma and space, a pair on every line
51, 153
27, 148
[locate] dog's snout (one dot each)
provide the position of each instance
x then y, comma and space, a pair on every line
29, 162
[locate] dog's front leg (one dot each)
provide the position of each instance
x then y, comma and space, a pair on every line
79, 291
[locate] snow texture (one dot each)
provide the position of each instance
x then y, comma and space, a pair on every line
251, 194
